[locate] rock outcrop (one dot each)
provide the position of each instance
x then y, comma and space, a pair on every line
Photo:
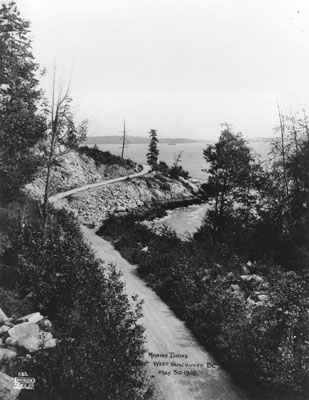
93, 206
3, 316
20, 338
74, 170
7, 389
28, 335
251, 287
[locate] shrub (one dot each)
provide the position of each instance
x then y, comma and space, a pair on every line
174, 172
105, 157
177, 171
265, 344
13, 305
101, 344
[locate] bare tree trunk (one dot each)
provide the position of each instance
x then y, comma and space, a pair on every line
285, 180
297, 189
50, 156
177, 158
123, 139
46, 193
63, 137
307, 188
248, 207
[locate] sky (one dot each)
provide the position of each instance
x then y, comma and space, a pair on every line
182, 67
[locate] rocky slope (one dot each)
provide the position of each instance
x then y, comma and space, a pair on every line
93, 206
74, 170
20, 338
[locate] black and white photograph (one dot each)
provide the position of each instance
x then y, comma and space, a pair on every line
154, 199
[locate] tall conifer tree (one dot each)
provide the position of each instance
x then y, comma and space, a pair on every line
21, 126
153, 151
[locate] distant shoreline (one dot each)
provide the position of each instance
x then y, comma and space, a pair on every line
144, 140
139, 140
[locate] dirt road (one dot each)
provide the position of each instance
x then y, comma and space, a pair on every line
196, 376
52, 199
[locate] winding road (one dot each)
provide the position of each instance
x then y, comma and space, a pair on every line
182, 369
52, 199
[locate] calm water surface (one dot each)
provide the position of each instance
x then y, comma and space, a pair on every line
191, 159
184, 220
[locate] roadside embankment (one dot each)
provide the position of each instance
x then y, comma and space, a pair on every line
107, 196
141, 193
74, 170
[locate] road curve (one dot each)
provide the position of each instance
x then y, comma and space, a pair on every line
52, 199
166, 334
197, 376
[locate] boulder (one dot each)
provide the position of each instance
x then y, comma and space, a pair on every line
46, 340
145, 249
245, 270
251, 302
246, 278
45, 324
4, 329
236, 288
231, 276
7, 390
254, 300
34, 317
207, 276
24, 329
257, 278
263, 297
10, 342
6, 354
3, 317
29, 336
24, 335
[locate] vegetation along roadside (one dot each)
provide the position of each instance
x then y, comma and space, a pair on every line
45, 264
241, 282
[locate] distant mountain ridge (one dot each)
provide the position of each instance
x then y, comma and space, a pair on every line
137, 140
116, 139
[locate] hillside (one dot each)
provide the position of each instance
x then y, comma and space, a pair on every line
137, 194
77, 169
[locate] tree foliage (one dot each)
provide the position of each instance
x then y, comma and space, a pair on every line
234, 177
153, 151
21, 125
265, 344
101, 343
230, 170
105, 157
290, 172
100, 348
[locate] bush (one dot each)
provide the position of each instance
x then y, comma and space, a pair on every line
174, 172
265, 345
105, 157
101, 344
13, 305
177, 171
